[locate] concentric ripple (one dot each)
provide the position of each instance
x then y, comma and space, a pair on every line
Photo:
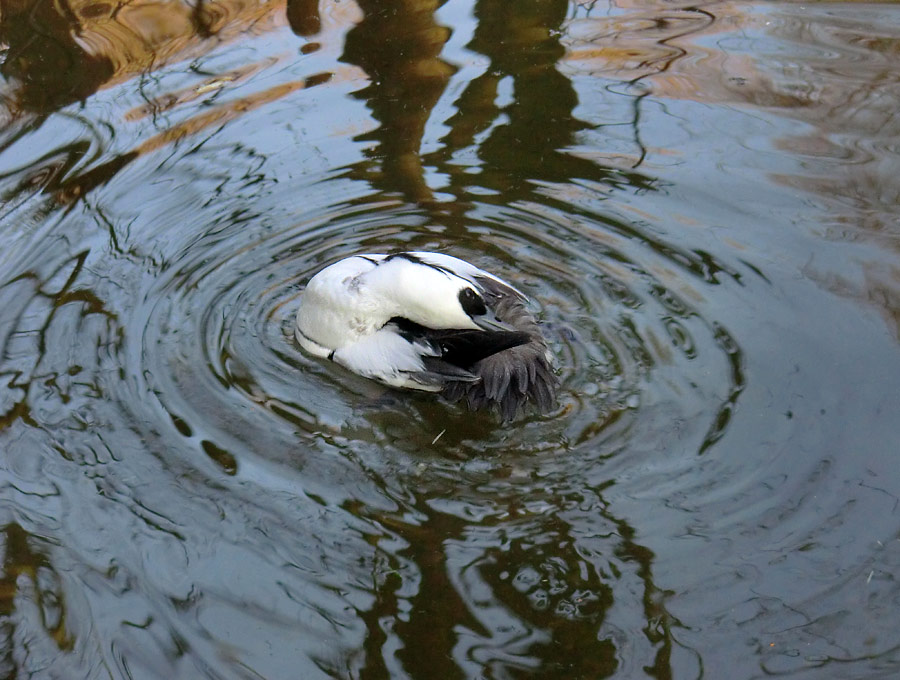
701, 203
513, 518
622, 312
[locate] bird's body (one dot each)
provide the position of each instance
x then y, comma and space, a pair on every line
432, 322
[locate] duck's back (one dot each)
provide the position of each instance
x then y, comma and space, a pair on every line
332, 312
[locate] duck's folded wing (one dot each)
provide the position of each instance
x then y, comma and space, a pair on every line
397, 361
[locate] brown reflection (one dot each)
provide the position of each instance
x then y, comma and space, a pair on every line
659, 44
525, 594
303, 17
75, 187
524, 105
850, 154
526, 140
64, 51
52, 69
522, 42
24, 563
429, 633
840, 79
398, 44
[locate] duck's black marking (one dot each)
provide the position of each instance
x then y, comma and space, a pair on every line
405, 256
471, 302
309, 339
409, 330
415, 259
331, 355
369, 259
460, 347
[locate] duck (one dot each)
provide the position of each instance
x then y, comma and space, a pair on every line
430, 322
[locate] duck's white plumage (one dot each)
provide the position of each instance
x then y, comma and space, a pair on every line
428, 321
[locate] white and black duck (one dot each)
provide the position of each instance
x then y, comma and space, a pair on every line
429, 321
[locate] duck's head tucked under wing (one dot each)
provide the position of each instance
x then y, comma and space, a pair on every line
432, 322
430, 295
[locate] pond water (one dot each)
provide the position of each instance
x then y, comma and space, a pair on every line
702, 201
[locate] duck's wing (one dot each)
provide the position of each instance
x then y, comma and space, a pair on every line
406, 354
459, 347
400, 361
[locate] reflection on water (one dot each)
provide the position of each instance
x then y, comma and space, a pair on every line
700, 202
399, 48
43, 55
64, 52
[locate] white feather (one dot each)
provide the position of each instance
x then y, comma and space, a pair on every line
355, 297
388, 357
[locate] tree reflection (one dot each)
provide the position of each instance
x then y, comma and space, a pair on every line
23, 563
51, 67
399, 47
521, 592
530, 125
516, 117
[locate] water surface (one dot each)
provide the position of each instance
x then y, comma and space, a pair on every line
702, 202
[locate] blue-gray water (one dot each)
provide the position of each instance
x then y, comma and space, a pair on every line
703, 203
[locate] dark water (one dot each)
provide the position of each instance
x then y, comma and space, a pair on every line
703, 202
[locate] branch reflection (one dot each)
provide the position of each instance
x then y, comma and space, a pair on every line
531, 588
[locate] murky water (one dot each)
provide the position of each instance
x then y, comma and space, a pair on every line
702, 201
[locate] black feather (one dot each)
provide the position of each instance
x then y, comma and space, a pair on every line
415, 259
462, 348
471, 302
